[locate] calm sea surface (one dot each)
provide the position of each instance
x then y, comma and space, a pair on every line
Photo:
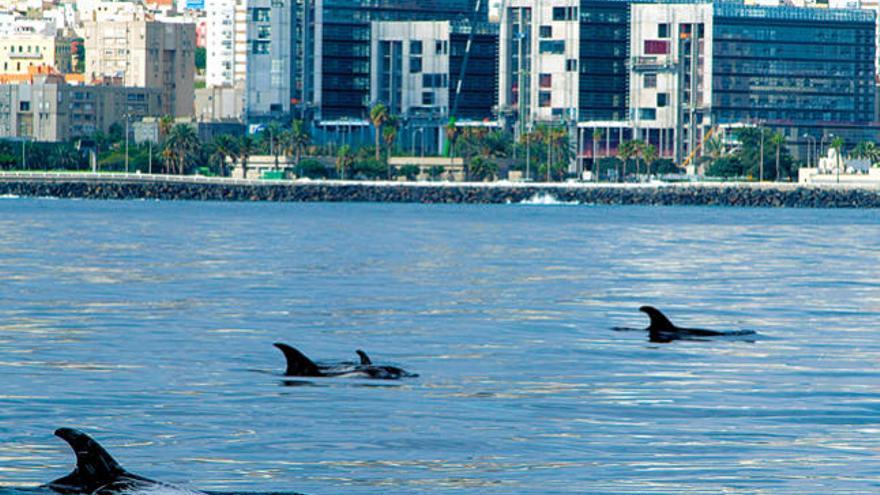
150, 325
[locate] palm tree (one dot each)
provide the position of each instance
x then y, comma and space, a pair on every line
625, 151
299, 139
494, 144
379, 114
183, 143
837, 144
166, 122
225, 148
714, 147
482, 168
344, 160
777, 139
246, 148
451, 136
649, 153
271, 135
597, 136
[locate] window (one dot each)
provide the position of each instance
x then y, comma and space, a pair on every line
24, 106
563, 13
546, 32
264, 32
647, 114
650, 81
260, 15
260, 47
434, 80
545, 80
441, 48
428, 98
544, 99
663, 31
415, 47
656, 47
556, 46
662, 100
571, 65
415, 65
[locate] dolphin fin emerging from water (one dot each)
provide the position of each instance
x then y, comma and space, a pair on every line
297, 363
661, 330
365, 360
95, 468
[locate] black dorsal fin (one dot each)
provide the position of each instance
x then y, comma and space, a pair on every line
365, 360
297, 363
659, 321
94, 466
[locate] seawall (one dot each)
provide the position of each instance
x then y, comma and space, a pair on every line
131, 186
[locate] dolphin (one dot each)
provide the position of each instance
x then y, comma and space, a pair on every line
300, 365
97, 473
663, 331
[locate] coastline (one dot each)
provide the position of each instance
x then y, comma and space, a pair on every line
107, 186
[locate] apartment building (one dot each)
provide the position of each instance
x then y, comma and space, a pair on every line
131, 49
415, 70
21, 51
49, 109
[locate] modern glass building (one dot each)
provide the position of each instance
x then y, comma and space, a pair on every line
335, 74
603, 75
790, 64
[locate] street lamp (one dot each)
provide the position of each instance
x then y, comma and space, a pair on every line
127, 118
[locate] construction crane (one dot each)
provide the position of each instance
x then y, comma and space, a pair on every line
698, 148
467, 55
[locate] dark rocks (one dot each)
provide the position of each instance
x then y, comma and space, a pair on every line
784, 195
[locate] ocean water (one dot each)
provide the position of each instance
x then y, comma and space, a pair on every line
150, 326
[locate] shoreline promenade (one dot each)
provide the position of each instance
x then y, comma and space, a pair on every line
171, 187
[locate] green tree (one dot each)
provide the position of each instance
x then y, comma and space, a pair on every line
777, 139
650, 155
482, 168
200, 59
225, 148
183, 145
299, 139
246, 148
271, 136
166, 122
313, 169
626, 151
598, 134
379, 115
344, 160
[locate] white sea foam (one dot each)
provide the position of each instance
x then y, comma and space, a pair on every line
546, 199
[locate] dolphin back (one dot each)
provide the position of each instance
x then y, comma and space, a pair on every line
94, 466
297, 363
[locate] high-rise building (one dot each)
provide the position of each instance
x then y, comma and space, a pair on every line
133, 50
312, 57
415, 71
695, 67
670, 72
225, 33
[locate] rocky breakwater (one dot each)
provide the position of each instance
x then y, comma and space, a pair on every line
106, 186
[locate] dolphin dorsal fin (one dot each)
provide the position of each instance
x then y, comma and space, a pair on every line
659, 321
365, 360
94, 466
297, 363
